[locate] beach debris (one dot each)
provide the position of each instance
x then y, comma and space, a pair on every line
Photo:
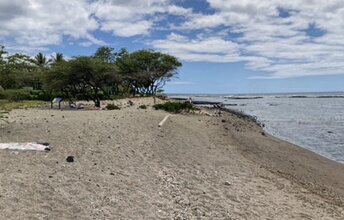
223, 121
25, 146
70, 159
164, 120
81, 106
131, 103
263, 133
206, 113
227, 183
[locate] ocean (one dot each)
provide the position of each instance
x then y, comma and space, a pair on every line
314, 121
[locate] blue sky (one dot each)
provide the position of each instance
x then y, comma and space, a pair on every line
226, 46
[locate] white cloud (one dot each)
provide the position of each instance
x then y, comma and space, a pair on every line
249, 31
38, 23
212, 49
131, 17
267, 42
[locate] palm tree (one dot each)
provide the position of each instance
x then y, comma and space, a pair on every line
41, 60
57, 58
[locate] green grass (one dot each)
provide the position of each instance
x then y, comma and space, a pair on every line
8, 106
175, 107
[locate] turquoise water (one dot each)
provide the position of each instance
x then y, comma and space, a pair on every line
313, 121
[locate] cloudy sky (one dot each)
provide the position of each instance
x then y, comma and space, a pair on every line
227, 46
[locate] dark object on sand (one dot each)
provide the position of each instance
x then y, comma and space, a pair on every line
70, 159
47, 149
112, 107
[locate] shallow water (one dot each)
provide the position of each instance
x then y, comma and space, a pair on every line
311, 122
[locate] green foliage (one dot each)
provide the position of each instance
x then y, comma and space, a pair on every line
82, 78
143, 107
105, 54
175, 107
41, 60
112, 107
43, 95
147, 71
57, 58
14, 95
8, 106
105, 75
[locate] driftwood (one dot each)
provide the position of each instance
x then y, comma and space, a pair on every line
164, 120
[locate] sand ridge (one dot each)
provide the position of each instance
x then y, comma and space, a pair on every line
126, 167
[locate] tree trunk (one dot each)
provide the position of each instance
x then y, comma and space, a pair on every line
97, 102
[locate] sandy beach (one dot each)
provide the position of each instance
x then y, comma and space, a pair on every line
193, 167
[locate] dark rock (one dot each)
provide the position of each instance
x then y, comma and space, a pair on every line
223, 120
70, 159
263, 133
227, 183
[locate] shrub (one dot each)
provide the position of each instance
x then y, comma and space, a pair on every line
15, 95
112, 107
175, 107
143, 106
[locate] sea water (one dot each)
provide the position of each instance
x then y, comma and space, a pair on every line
313, 121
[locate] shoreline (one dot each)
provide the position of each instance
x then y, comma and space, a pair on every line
194, 166
317, 173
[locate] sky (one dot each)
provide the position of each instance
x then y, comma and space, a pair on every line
226, 46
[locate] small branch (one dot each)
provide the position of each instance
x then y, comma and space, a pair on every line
164, 120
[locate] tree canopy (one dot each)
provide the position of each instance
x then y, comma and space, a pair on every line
105, 74
147, 71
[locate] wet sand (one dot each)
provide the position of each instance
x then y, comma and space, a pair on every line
193, 167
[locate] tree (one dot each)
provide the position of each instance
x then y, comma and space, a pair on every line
57, 58
81, 78
147, 71
17, 71
106, 54
41, 60
2, 54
